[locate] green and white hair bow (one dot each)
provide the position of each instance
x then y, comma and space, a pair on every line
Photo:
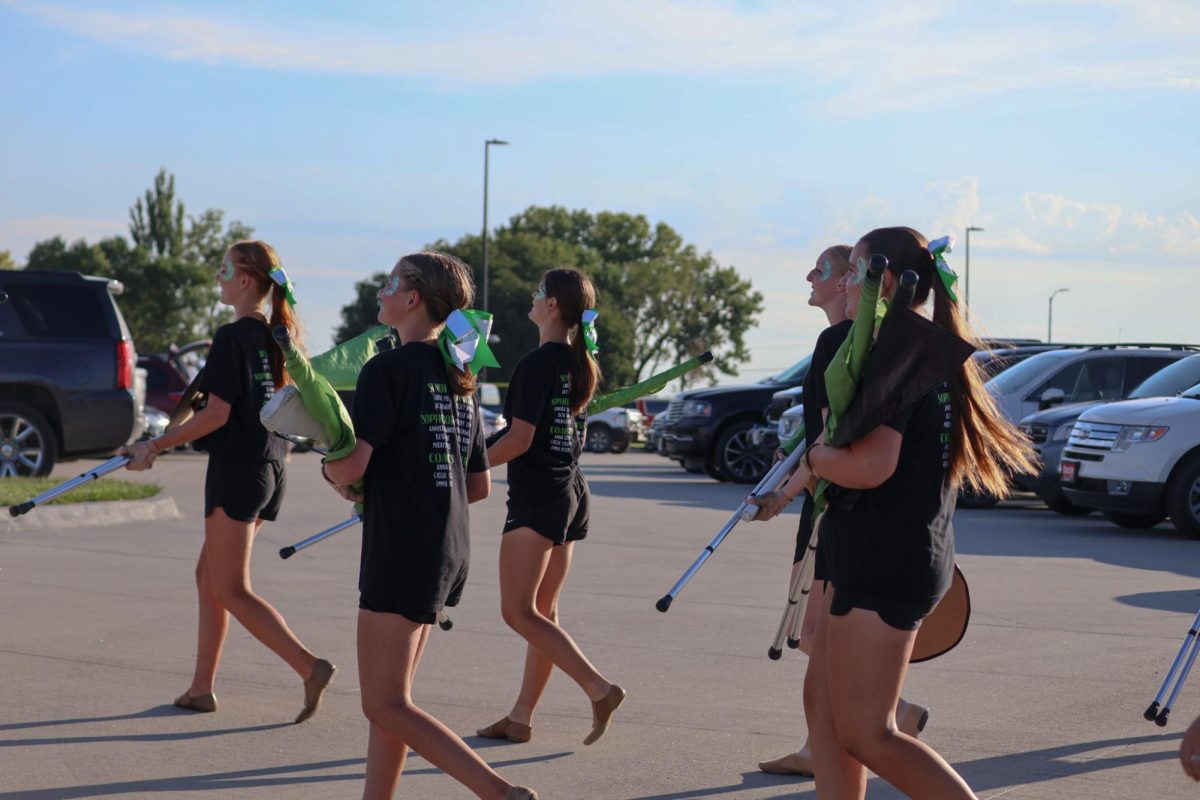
280, 277
588, 325
938, 249
463, 340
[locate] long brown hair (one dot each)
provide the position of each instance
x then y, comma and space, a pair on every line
257, 259
985, 447
575, 294
445, 285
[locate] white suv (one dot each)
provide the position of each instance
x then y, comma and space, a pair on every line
1138, 461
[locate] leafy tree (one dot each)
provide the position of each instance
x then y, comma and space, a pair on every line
157, 225
6, 260
362, 313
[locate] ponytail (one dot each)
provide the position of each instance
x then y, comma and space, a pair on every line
585, 374
283, 314
576, 294
985, 448
445, 285
257, 259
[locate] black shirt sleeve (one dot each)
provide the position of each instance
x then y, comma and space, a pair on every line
374, 412
899, 423
477, 461
224, 369
533, 384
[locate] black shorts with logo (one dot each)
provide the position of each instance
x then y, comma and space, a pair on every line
245, 491
561, 520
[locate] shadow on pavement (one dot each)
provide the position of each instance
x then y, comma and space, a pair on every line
1182, 600
177, 736
285, 775
157, 711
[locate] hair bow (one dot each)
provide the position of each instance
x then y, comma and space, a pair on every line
938, 249
463, 340
280, 277
589, 331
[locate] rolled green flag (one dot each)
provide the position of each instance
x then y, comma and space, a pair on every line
340, 365
654, 383
319, 397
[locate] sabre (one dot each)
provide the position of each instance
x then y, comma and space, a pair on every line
112, 465
1191, 642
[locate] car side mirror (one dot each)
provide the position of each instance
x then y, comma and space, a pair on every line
1050, 398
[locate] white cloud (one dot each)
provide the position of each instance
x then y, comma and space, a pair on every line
865, 58
1113, 229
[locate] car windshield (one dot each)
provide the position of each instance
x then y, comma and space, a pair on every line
1192, 393
1018, 375
1170, 381
792, 374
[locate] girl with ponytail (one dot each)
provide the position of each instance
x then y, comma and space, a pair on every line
421, 458
888, 544
548, 497
245, 481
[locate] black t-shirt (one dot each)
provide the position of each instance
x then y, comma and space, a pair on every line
238, 370
540, 394
898, 538
815, 398
425, 440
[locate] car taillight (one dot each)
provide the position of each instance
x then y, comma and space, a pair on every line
125, 364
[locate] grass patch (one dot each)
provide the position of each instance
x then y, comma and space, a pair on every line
18, 490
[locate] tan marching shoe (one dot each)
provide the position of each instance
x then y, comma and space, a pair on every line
507, 729
913, 720
602, 711
201, 702
792, 764
521, 793
314, 688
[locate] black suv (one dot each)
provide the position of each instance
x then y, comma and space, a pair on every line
710, 430
68, 386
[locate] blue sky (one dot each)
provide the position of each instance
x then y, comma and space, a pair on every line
349, 135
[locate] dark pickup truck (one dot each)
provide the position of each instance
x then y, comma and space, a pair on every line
68, 385
711, 430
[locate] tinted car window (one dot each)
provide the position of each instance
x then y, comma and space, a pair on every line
1065, 379
793, 373
1013, 378
1100, 379
58, 312
1170, 381
1141, 369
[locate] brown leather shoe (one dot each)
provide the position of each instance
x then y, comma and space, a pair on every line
507, 729
913, 720
203, 702
793, 764
521, 793
602, 711
314, 688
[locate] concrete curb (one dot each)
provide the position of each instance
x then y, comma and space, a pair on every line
86, 515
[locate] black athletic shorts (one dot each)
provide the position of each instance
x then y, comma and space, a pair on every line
561, 520
414, 603
902, 613
245, 491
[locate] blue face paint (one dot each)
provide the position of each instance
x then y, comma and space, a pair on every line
858, 274
824, 271
540, 293
225, 273
391, 287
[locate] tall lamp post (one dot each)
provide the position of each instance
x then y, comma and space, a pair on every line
967, 270
1050, 315
486, 145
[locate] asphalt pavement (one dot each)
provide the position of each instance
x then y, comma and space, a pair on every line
1075, 622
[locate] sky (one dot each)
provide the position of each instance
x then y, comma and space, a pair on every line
350, 134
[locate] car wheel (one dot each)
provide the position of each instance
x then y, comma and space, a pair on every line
1135, 520
1183, 497
1061, 505
738, 459
710, 469
28, 445
620, 446
599, 438
968, 498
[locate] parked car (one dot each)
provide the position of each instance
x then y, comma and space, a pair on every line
164, 383
654, 434
709, 430
68, 383
612, 431
651, 407
1138, 461
1049, 430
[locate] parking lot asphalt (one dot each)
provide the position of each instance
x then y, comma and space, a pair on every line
1075, 622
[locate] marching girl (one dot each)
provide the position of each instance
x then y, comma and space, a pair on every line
548, 498
890, 556
245, 481
421, 457
825, 278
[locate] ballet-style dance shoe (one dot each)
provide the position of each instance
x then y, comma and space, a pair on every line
521, 793
602, 711
201, 702
792, 764
913, 720
314, 687
507, 729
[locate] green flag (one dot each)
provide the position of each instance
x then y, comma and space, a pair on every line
654, 383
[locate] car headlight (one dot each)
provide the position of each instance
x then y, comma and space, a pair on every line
1062, 433
696, 408
1137, 434
788, 425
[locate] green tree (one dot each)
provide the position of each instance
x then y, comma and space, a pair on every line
157, 224
362, 313
6, 261
660, 300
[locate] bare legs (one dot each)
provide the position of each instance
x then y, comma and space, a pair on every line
389, 650
223, 584
851, 690
532, 573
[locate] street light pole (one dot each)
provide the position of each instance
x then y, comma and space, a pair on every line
486, 145
967, 270
1050, 315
